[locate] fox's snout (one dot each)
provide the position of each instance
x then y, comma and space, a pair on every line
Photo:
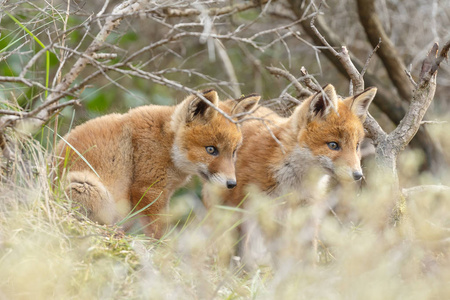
222, 180
231, 184
222, 172
357, 175
347, 174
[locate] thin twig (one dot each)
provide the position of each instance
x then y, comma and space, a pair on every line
425, 188
176, 12
279, 72
433, 122
366, 65
408, 73
283, 150
307, 79
344, 58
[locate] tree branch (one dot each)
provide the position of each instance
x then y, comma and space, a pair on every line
385, 100
127, 7
366, 65
302, 92
408, 192
177, 12
423, 95
307, 79
387, 53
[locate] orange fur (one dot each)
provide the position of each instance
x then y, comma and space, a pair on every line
277, 170
144, 155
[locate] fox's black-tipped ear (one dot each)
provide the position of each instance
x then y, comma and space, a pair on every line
198, 109
244, 105
359, 104
323, 103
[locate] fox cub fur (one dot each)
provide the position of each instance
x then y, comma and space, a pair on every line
142, 156
321, 137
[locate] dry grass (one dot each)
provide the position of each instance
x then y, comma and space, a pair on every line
47, 252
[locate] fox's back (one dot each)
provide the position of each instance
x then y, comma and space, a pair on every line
259, 152
101, 142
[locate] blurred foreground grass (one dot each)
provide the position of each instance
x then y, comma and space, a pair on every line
47, 252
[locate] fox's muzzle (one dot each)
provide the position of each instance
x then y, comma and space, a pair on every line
357, 175
231, 184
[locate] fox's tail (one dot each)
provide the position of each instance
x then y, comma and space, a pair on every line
91, 197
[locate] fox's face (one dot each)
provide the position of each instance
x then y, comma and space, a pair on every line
333, 130
206, 142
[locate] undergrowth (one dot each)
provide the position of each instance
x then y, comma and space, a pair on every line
49, 251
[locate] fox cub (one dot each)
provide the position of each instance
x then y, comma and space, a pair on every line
321, 137
142, 156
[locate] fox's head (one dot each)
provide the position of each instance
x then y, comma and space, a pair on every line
332, 129
206, 142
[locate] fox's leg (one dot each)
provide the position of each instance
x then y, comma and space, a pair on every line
151, 219
96, 202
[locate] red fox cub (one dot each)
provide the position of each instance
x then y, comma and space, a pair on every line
321, 137
142, 156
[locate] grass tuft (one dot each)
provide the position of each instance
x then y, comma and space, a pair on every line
49, 251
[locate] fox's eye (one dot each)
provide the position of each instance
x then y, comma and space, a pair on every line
333, 146
357, 146
212, 150
234, 152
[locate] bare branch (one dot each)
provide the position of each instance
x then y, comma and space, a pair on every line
283, 150
385, 100
423, 95
363, 71
432, 62
408, 73
177, 12
104, 55
125, 8
321, 37
344, 57
65, 104
374, 130
229, 69
387, 53
11, 112
300, 89
17, 79
408, 192
167, 82
308, 81
433, 122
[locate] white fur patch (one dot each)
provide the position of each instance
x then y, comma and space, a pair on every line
323, 184
218, 178
293, 169
303, 172
182, 163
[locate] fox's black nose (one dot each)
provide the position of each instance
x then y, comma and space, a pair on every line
357, 175
231, 184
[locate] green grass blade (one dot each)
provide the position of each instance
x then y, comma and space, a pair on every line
47, 64
230, 208
76, 151
133, 213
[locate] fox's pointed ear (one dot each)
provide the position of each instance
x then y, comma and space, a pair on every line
359, 104
198, 109
323, 103
245, 105
316, 106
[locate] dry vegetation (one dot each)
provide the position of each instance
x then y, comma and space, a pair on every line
48, 251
